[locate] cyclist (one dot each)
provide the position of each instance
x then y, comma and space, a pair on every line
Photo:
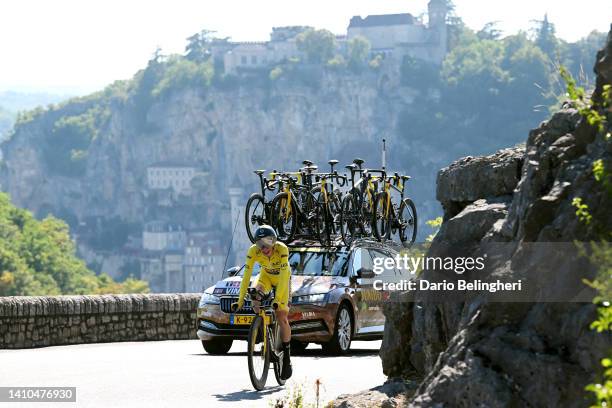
273, 256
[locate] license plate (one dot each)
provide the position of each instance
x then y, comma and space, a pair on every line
239, 319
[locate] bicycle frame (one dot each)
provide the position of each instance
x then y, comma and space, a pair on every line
399, 187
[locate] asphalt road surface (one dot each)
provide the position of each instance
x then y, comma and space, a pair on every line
181, 374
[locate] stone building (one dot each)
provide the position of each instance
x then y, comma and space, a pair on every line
168, 175
393, 35
240, 56
203, 264
163, 236
398, 35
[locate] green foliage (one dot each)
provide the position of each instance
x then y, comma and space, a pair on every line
598, 253
582, 210
318, 45
337, 63
65, 148
180, 72
489, 31
7, 119
198, 46
38, 258
435, 225
419, 74
545, 36
375, 62
276, 73
584, 104
358, 52
603, 391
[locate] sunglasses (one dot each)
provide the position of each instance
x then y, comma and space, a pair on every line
266, 242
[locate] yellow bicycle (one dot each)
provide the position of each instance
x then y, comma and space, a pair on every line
264, 341
395, 221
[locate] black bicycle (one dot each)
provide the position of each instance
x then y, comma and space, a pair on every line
357, 214
294, 211
329, 201
258, 210
395, 220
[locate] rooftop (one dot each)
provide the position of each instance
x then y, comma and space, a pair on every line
382, 20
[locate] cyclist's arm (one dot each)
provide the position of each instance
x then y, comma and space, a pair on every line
246, 278
284, 254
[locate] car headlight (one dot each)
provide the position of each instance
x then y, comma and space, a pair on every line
208, 299
320, 298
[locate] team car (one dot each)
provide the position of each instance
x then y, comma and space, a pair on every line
333, 301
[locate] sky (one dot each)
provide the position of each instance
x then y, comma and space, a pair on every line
79, 46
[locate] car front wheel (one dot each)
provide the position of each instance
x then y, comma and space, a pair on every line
340, 343
217, 346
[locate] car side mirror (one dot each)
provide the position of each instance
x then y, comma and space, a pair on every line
364, 273
233, 271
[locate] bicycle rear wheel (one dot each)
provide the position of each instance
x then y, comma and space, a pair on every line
278, 362
254, 215
258, 357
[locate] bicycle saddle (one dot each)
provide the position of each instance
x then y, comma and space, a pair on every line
259, 172
358, 162
307, 163
333, 162
350, 166
406, 177
311, 168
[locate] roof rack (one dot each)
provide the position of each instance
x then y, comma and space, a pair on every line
313, 243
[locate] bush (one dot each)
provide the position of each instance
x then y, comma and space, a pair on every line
181, 73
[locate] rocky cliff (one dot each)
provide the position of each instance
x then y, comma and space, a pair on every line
499, 354
228, 132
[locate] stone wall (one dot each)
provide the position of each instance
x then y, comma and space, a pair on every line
37, 321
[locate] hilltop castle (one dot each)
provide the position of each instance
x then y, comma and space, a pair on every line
392, 35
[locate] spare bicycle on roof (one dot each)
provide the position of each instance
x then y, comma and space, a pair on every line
330, 207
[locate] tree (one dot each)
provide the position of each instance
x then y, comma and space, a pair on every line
358, 52
489, 31
545, 36
318, 45
38, 258
419, 74
198, 46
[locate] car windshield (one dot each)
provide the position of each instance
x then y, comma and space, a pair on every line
255, 272
318, 263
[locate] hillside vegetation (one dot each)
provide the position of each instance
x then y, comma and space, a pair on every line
38, 258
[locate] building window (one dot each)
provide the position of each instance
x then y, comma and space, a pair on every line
243, 60
254, 60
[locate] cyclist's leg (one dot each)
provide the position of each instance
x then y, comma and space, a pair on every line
282, 299
282, 317
262, 284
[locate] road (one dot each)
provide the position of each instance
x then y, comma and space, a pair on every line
181, 374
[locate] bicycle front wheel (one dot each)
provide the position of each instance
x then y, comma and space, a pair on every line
284, 217
348, 219
380, 222
407, 222
258, 356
